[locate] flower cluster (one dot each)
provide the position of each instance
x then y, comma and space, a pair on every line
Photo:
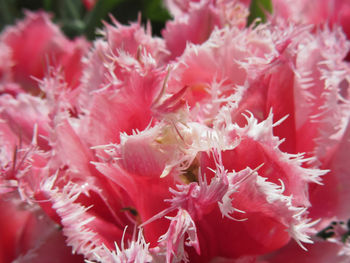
219, 142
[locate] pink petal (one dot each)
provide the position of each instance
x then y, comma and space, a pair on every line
22, 113
320, 252
196, 25
45, 45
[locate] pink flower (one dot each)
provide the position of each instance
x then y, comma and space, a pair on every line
229, 145
89, 4
318, 13
197, 19
45, 46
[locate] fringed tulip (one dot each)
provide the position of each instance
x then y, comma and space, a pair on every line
218, 143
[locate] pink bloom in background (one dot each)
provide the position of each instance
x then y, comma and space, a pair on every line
89, 4
216, 143
34, 45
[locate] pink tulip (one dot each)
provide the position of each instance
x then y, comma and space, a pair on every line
228, 144
324, 13
89, 4
45, 46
